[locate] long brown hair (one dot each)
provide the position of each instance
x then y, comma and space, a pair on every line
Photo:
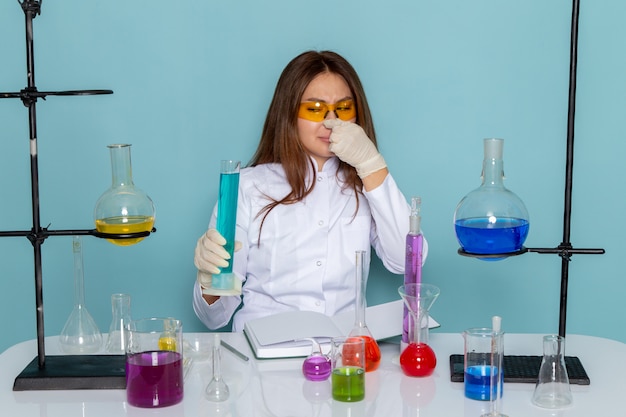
279, 140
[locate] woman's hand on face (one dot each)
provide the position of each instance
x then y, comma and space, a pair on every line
352, 145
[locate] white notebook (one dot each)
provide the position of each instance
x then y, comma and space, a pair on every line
280, 335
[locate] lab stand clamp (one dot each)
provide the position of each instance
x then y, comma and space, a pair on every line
58, 371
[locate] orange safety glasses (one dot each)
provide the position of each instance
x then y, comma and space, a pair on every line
316, 111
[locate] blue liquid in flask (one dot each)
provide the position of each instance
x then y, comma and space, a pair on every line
485, 237
226, 224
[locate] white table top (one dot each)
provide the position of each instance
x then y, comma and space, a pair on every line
277, 387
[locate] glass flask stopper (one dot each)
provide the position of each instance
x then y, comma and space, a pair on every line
552, 389
123, 208
418, 358
491, 219
120, 310
80, 333
372, 350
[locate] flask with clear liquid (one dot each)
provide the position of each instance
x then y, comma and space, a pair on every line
491, 219
120, 310
123, 208
80, 333
372, 350
553, 389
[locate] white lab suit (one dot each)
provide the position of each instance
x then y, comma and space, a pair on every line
306, 256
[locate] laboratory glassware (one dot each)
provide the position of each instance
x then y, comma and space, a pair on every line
317, 366
496, 374
154, 362
80, 333
123, 208
360, 329
348, 359
413, 261
418, 358
227, 220
491, 219
217, 390
120, 312
44, 373
553, 389
480, 374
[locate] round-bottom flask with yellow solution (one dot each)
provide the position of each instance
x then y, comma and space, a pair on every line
123, 209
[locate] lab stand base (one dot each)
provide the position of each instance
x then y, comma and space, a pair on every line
70, 372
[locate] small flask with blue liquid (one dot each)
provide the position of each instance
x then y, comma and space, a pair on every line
491, 220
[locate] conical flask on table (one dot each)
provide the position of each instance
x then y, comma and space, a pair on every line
120, 311
123, 208
372, 350
491, 219
80, 333
418, 358
552, 389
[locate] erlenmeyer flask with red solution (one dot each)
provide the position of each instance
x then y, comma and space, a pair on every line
372, 351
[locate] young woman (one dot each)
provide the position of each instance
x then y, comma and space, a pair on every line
316, 191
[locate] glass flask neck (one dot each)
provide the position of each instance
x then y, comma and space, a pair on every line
117, 337
493, 173
217, 361
553, 346
418, 326
361, 283
79, 278
120, 165
120, 304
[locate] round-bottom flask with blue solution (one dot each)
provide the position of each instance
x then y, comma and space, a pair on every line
491, 220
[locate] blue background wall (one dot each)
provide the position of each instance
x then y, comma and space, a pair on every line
193, 80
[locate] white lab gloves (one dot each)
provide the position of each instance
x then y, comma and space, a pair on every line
350, 143
210, 255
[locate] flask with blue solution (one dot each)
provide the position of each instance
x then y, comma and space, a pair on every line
491, 220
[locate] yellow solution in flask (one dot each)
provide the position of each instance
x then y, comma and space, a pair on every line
125, 225
167, 342
123, 208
